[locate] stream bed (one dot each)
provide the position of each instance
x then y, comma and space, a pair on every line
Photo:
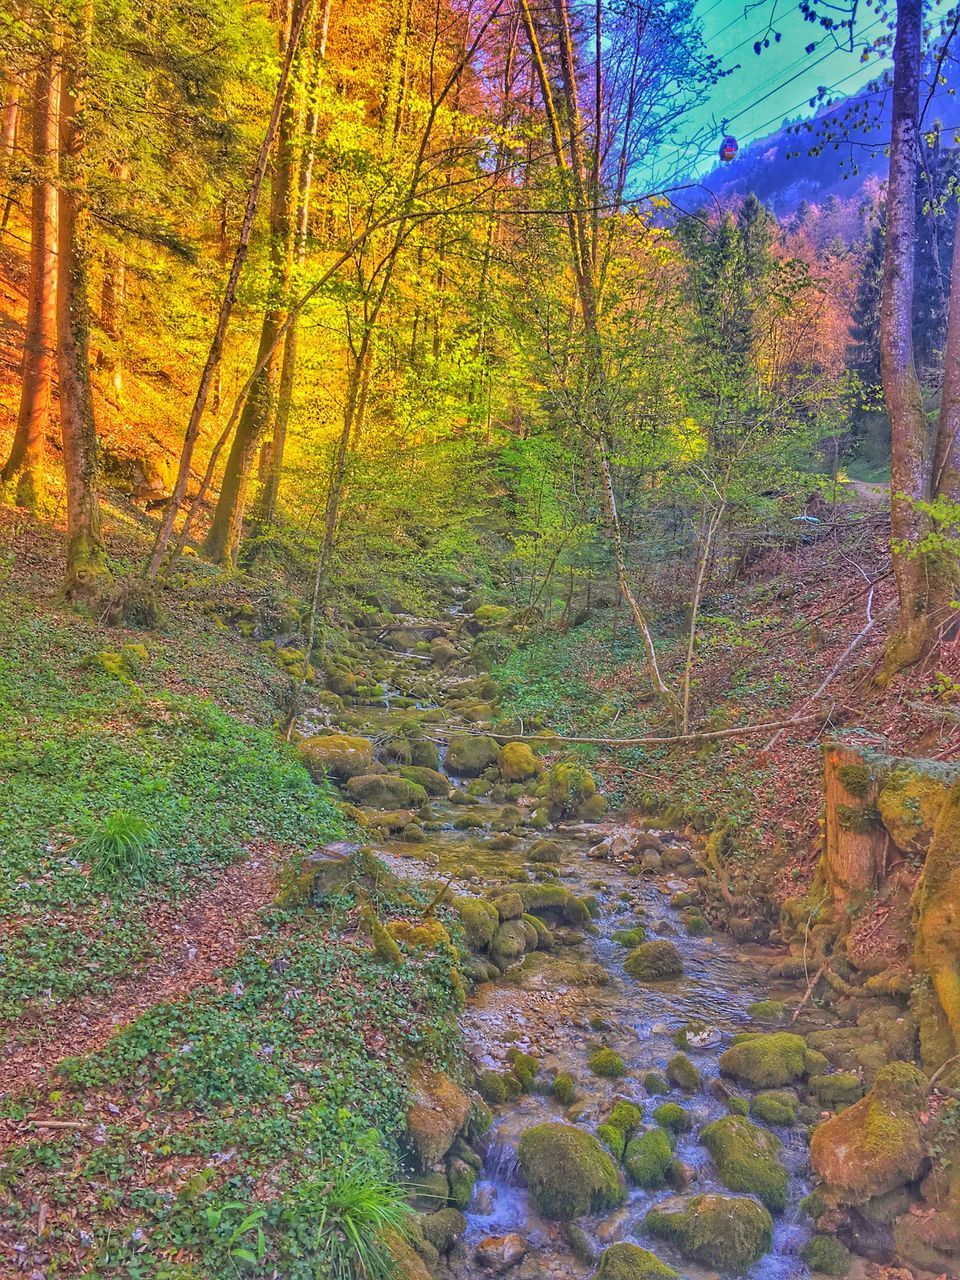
581, 998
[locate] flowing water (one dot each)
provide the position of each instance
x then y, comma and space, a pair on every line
562, 1023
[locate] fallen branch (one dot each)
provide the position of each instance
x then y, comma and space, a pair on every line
741, 731
809, 992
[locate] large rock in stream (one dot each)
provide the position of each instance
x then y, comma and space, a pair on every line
726, 1232
469, 754
568, 1172
437, 1115
770, 1060
339, 754
386, 791
874, 1146
747, 1159
629, 1262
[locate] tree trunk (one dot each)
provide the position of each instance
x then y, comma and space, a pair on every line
223, 540
86, 559
288, 367
943, 568
24, 469
215, 354
909, 467
712, 524
10, 117
113, 296
855, 839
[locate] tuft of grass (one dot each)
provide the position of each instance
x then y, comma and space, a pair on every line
355, 1213
120, 850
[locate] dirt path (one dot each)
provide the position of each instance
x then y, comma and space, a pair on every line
194, 941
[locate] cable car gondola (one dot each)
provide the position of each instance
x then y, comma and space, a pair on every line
729, 148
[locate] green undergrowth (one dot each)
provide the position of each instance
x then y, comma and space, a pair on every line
124, 786
591, 682
245, 1121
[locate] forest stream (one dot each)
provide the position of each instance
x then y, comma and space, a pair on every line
562, 1004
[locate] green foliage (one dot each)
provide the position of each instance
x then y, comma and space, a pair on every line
119, 850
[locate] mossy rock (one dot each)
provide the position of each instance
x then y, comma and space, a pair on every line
433, 782
439, 1111
613, 1139
771, 1012
747, 1159
672, 1117
492, 615
647, 1159
775, 1106
567, 1172
525, 1066
517, 762
632, 937
837, 1090
626, 1261
420, 935
875, 1145
338, 754
684, 1073
510, 906
656, 1082
909, 803
654, 961
567, 790
509, 943
606, 1062
463, 1179
540, 968
552, 900
492, 1088
827, 1256
565, 1088
443, 1229
385, 791
468, 755
425, 755
767, 1060
726, 1233
547, 851
480, 920
625, 1116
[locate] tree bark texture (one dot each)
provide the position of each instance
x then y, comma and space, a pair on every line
855, 838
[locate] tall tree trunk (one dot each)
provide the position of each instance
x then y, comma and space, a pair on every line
86, 569
215, 354
909, 467
855, 839
288, 368
223, 539
10, 117
943, 568
24, 469
113, 295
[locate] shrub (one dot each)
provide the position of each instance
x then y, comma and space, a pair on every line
120, 851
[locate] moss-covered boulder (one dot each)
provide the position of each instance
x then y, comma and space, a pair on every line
433, 782
509, 905
386, 791
775, 1106
769, 1060
606, 1062
747, 1159
625, 1116
613, 1139
567, 1172
909, 803
726, 1233
552, 900
839, 1089
480, 920
509, 943
654, 961
517, 762
625, 1261
337, 754
547, 851
424, 754
469, 754
444, 1228
875, 1145
827, 1256
647, 1159
684, 1073
565, 1088
438, 1113
569, 790
656, 1082
672, 1117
